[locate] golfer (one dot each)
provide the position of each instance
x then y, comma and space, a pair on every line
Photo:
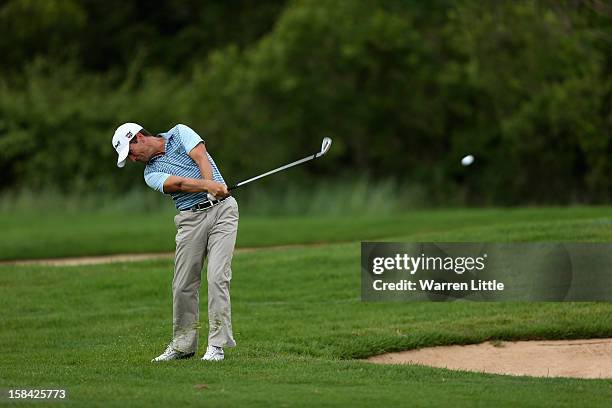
177, 163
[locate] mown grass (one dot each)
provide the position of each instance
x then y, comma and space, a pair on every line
53, 235
299, 324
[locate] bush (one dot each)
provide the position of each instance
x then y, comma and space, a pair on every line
405, 90
56, 127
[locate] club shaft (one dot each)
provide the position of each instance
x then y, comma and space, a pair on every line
286, 166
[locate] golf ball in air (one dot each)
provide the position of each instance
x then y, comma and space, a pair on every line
467, 160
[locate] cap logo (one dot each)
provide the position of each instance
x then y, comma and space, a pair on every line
117, 144
128, 135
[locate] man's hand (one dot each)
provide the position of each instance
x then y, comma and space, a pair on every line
215, 189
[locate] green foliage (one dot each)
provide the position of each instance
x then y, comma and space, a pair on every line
331, 68
404, 88
540, 93
105, 35
521, 85
31, 27
55, 128
325, 198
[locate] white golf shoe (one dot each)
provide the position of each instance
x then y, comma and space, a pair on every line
171, 354
213, 353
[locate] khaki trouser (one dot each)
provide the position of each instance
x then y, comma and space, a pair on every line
209, 233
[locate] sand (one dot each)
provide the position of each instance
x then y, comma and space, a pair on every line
590, 358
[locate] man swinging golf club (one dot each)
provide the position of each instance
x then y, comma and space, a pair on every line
177, 163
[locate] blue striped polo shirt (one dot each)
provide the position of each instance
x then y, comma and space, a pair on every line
176, 162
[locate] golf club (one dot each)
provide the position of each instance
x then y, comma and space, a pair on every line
325, 145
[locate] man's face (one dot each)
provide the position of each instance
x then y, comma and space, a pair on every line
140, 151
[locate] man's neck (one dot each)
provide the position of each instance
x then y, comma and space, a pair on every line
161, 149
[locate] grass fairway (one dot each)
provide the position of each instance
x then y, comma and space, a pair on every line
55, 235
299, 324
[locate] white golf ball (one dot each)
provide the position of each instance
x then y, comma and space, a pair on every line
467, 160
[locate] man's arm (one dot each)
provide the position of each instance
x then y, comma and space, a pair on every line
199, 155
175, 184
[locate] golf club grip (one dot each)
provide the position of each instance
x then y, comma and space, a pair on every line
232, 188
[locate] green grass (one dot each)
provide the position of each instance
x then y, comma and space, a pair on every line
53, 235
299, 324
278, 196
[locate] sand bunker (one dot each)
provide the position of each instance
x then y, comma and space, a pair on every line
563, 358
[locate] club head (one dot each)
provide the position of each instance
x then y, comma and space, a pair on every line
325, 145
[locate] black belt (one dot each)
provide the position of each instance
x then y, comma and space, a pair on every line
205, 205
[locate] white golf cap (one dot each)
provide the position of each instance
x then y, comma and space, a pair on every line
121, 140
